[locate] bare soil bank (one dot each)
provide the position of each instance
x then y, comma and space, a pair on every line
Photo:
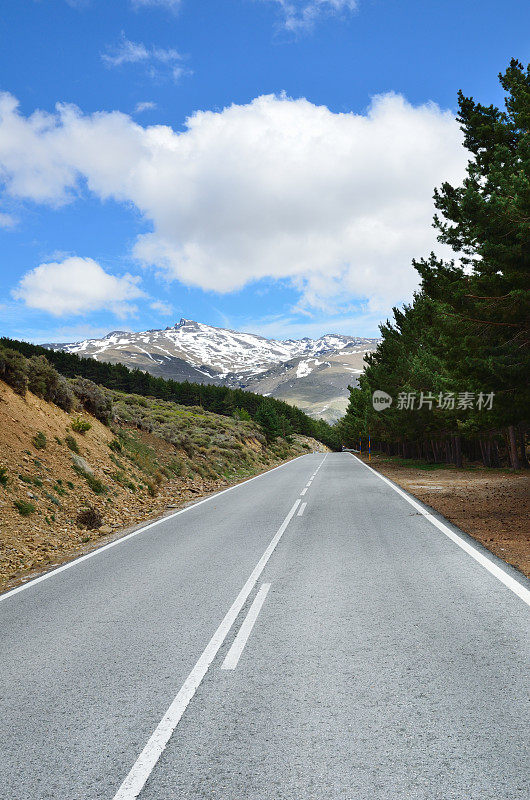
492, 505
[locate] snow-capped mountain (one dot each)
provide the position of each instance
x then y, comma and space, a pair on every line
203, 353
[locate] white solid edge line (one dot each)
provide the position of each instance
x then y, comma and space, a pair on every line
303, 491
128, 536
301, 509
512, 584
146, 761
238, 645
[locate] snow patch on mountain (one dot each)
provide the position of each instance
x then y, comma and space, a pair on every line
224, 351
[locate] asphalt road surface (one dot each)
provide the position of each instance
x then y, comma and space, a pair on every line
309, 634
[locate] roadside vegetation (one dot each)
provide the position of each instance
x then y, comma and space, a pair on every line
455, 361
91, 461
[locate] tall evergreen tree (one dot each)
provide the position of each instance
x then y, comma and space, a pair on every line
467, 329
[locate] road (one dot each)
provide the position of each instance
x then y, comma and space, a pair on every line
308, 634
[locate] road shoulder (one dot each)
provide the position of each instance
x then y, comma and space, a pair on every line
490, 505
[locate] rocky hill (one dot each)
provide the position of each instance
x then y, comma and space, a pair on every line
311, 373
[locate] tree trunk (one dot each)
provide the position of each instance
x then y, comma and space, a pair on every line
522, 447
458, 450
496, 455
433, 448
512, 447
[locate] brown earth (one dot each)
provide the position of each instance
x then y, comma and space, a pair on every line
492, 505
45, 478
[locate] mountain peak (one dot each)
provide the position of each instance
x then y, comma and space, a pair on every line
194, 351
116, 333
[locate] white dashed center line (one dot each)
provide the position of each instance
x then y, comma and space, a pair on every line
234, 654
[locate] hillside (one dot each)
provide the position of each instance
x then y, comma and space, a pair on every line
157, 455
319, 385
311, 373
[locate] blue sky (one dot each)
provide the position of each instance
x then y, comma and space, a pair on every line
292, 208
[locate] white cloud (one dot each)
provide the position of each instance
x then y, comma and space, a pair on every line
336, 204
159, 62
165, 309
7, 220
126, 53
302, 14
172, 5
145, 106
77, 286
291, 327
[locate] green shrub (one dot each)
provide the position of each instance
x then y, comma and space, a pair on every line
138, 452
39, 440
93, 398
30, 480
13, 369
52, 498
117, 461
3, 476
80, 425
24, 508
45, 382
184, 442
71, 443
95, 484
121, 478
59, 441
70, 485
116, 445
242, 414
